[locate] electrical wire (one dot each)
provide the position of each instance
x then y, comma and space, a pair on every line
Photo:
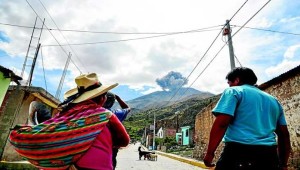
63, 36
207, 51
238, 10
43, 68
226, 43
205, 68
133, 39
250, 18
238, 60
104, 32
53, 35
136, 33
269, 30
197, 64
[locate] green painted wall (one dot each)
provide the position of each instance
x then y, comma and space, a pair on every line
4, 83
185, 135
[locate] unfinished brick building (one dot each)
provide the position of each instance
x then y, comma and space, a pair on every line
14, 110
286, 88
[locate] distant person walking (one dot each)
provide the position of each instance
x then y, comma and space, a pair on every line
249, 120
120, 113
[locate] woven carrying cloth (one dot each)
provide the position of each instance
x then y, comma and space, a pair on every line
60, 141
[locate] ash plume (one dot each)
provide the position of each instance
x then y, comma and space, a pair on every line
172, 81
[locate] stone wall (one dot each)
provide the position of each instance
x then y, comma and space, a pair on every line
286, 88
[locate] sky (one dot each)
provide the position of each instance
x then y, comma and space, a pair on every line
148, 46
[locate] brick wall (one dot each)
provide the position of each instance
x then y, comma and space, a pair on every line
13, 111
10, 107
288, 93
287, 89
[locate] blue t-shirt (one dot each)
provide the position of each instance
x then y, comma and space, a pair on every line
256, 115
121, 113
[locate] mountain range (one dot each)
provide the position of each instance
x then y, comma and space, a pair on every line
165, 98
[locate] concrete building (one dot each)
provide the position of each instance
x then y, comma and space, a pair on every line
186, 136
14, 110
165, 132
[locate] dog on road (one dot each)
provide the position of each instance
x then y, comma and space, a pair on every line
152, 156
143, 153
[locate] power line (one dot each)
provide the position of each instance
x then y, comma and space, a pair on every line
197, 64
63, 35
207, 51
104, 32
250, 18
52, 35
139, 38
227, 41
205, 67
238, 60
269, 30
137, 33
238, 10
43, 68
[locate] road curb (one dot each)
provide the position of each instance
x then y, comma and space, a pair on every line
182, 159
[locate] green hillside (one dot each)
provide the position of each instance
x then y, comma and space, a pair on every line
165, 116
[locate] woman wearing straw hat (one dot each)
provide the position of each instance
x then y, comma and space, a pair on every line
90, 92
81, 136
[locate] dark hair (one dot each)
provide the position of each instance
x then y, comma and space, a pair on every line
110, 100
246, 75
97, 98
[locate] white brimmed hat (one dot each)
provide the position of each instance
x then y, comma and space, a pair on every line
88, 87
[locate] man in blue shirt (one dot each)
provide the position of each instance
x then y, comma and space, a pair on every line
120, 113
252, 125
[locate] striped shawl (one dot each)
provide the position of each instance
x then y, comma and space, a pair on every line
60, 141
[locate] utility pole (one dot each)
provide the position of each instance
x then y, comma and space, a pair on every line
58, 91
154, 133
177, 125
33, 64
28, 82
24, 65
227, 31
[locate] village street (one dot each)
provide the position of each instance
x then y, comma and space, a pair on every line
128, 159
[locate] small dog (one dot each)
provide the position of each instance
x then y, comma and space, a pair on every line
152, 156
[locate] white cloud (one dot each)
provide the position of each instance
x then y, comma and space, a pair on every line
138, 63
281, 68
290, 52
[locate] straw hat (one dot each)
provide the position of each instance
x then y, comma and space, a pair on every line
88, 87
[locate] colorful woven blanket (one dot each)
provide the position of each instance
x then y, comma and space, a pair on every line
60, 141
